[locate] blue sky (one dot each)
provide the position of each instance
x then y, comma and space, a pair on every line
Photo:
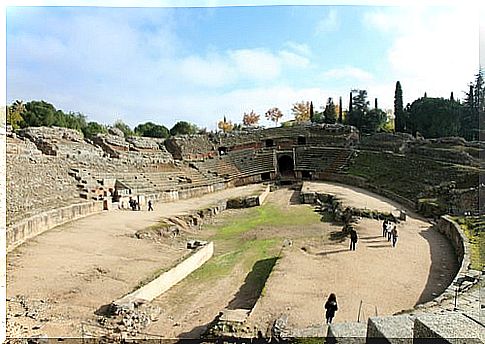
200, 64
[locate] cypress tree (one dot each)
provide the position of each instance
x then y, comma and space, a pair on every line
312, 115
350, 103
375, 103
340, 120
399, 123
451, 97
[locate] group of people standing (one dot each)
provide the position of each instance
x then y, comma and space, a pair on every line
389, 229
135, 205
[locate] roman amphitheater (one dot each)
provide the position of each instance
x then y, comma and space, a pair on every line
247, 238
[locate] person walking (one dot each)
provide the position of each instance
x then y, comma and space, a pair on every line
389, 230
331, 307
353, 239
384, 228
394, 236
150, 205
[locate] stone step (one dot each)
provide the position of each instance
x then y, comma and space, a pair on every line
348, 332
452, 327
396, 329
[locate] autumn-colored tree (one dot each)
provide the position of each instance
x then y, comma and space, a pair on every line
14, 113
250, 119
225, 125
274, 114
301, 111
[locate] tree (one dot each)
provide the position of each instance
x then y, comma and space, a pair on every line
225, 125
119, 124
183, 128
435, 117
14, 114
274, 115
301, 111
340, 109
473, 109
360, 106
330, 113
250, 119
150, 129
373, 120
92, 129
312, 115
399, 116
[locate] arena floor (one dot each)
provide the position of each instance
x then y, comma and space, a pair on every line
79, 267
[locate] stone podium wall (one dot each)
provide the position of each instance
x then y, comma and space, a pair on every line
37, 224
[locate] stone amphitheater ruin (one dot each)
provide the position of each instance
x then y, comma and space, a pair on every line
80, 264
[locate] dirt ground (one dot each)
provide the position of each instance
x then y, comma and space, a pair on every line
63, 276
73, 270
376, 277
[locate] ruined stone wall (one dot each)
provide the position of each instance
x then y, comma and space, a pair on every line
314, 134
191, 147
61, 142
393, 142
35, 182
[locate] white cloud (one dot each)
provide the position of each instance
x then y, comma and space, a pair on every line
329, 23
213, 71
298, 48
256, 64
294, 60
433, 50
348, 72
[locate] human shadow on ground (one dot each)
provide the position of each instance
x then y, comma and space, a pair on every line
324, 253
249, 293
371, 237
380, 246
371, 241
444, 265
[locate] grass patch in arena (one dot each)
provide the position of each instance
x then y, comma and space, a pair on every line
247, 253
267, 215
233, 249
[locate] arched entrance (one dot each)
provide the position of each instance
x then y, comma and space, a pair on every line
286, 166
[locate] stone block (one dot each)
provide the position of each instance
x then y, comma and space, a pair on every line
390, 329
448, 328
350, 332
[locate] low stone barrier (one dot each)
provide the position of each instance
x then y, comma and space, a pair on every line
168, 279
37, 224
248, 201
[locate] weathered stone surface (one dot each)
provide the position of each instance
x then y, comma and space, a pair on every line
449, 327
396, 329
350, 332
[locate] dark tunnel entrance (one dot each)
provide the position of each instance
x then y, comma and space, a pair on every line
286, 166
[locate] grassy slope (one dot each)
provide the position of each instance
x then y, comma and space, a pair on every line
408, 176
474, 229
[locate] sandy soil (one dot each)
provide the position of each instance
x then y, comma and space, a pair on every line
81, 266
385, 279
71, 271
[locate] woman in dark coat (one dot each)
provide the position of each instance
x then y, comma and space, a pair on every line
331, 307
